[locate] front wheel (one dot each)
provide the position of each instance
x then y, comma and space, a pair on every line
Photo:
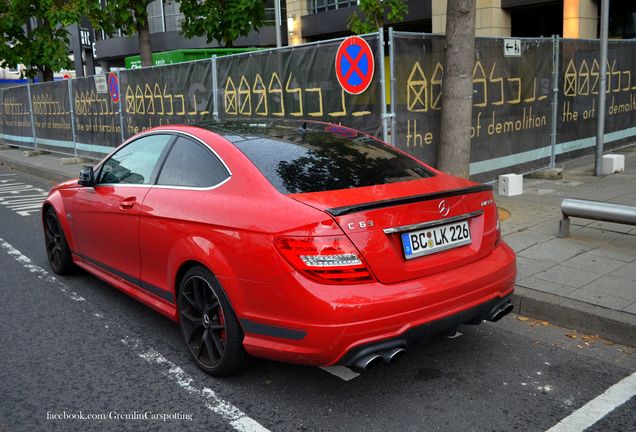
209, 325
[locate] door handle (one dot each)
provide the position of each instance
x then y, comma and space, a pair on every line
128, 203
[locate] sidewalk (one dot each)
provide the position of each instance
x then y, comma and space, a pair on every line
588, 280
585, 282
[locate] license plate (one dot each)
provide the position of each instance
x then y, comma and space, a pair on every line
435, 239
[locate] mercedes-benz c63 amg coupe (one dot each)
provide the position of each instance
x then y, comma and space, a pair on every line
301, 242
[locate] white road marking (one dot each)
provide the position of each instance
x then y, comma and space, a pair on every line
234, 416
214, 403
598, 407
342, 372
37, 270
11, 196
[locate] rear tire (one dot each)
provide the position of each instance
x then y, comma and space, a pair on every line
57, 249
209, 326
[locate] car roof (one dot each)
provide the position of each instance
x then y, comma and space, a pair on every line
241, 130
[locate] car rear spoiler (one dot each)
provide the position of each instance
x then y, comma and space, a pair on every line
339, 211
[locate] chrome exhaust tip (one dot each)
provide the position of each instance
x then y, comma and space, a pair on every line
393, 355
501, 312
368, 361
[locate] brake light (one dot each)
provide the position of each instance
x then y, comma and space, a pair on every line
329, 259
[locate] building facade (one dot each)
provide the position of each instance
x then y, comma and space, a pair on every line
311, 20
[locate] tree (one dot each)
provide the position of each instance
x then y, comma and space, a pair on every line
130, 16
221, 20
33, 33
457, 94
374, 12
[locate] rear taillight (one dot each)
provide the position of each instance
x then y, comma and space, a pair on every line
329, 259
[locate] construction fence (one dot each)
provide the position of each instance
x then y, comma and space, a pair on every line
534, 100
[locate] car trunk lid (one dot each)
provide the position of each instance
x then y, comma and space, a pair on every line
376, 224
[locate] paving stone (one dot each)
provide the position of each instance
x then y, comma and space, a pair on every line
627, 271
556, 250
615, 252
546, 286
550, 227
631, 308
599, 299
598, 236
574, 277
614, 286
594, 262
524, 239
528, 266
625, 240
611, 226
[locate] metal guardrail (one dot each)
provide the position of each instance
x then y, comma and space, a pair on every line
596, 210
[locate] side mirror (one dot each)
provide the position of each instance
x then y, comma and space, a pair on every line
87, 176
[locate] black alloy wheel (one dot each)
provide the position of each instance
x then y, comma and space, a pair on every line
57, 249
209, 325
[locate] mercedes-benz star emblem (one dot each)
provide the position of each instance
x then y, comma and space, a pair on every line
443, 207
206, 321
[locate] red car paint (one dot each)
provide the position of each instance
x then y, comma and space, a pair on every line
140, 238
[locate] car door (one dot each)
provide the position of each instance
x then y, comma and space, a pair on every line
106, 217
179, 209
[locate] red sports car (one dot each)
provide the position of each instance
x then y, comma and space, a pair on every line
301, 242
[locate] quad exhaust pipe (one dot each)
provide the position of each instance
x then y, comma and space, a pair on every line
374, 359
500, 312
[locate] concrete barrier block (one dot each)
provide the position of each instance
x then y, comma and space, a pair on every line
510, 184
612, 164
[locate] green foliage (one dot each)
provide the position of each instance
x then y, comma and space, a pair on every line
126, 15
221, 20
131, 16
45, 49
374, 12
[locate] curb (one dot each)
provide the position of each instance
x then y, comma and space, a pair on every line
38, 171
616, 326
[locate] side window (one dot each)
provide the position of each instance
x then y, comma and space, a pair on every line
136, 162
191, 165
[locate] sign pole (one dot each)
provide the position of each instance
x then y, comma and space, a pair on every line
71, 109
555, 100
393, 95
121, 111
602, 85
385, 133
35, 144
215, 90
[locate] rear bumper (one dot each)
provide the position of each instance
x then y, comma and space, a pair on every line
324, 325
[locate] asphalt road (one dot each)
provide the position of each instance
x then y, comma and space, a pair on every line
76, 345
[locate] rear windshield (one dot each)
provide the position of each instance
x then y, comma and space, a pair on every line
336, 158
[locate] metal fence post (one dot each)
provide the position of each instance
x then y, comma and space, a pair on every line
215, 90
71, 109
121, 111
392, 86
555, 99
385, 133
35, 144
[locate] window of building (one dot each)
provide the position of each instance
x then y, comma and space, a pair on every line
155, 16
173, 15
319, 6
